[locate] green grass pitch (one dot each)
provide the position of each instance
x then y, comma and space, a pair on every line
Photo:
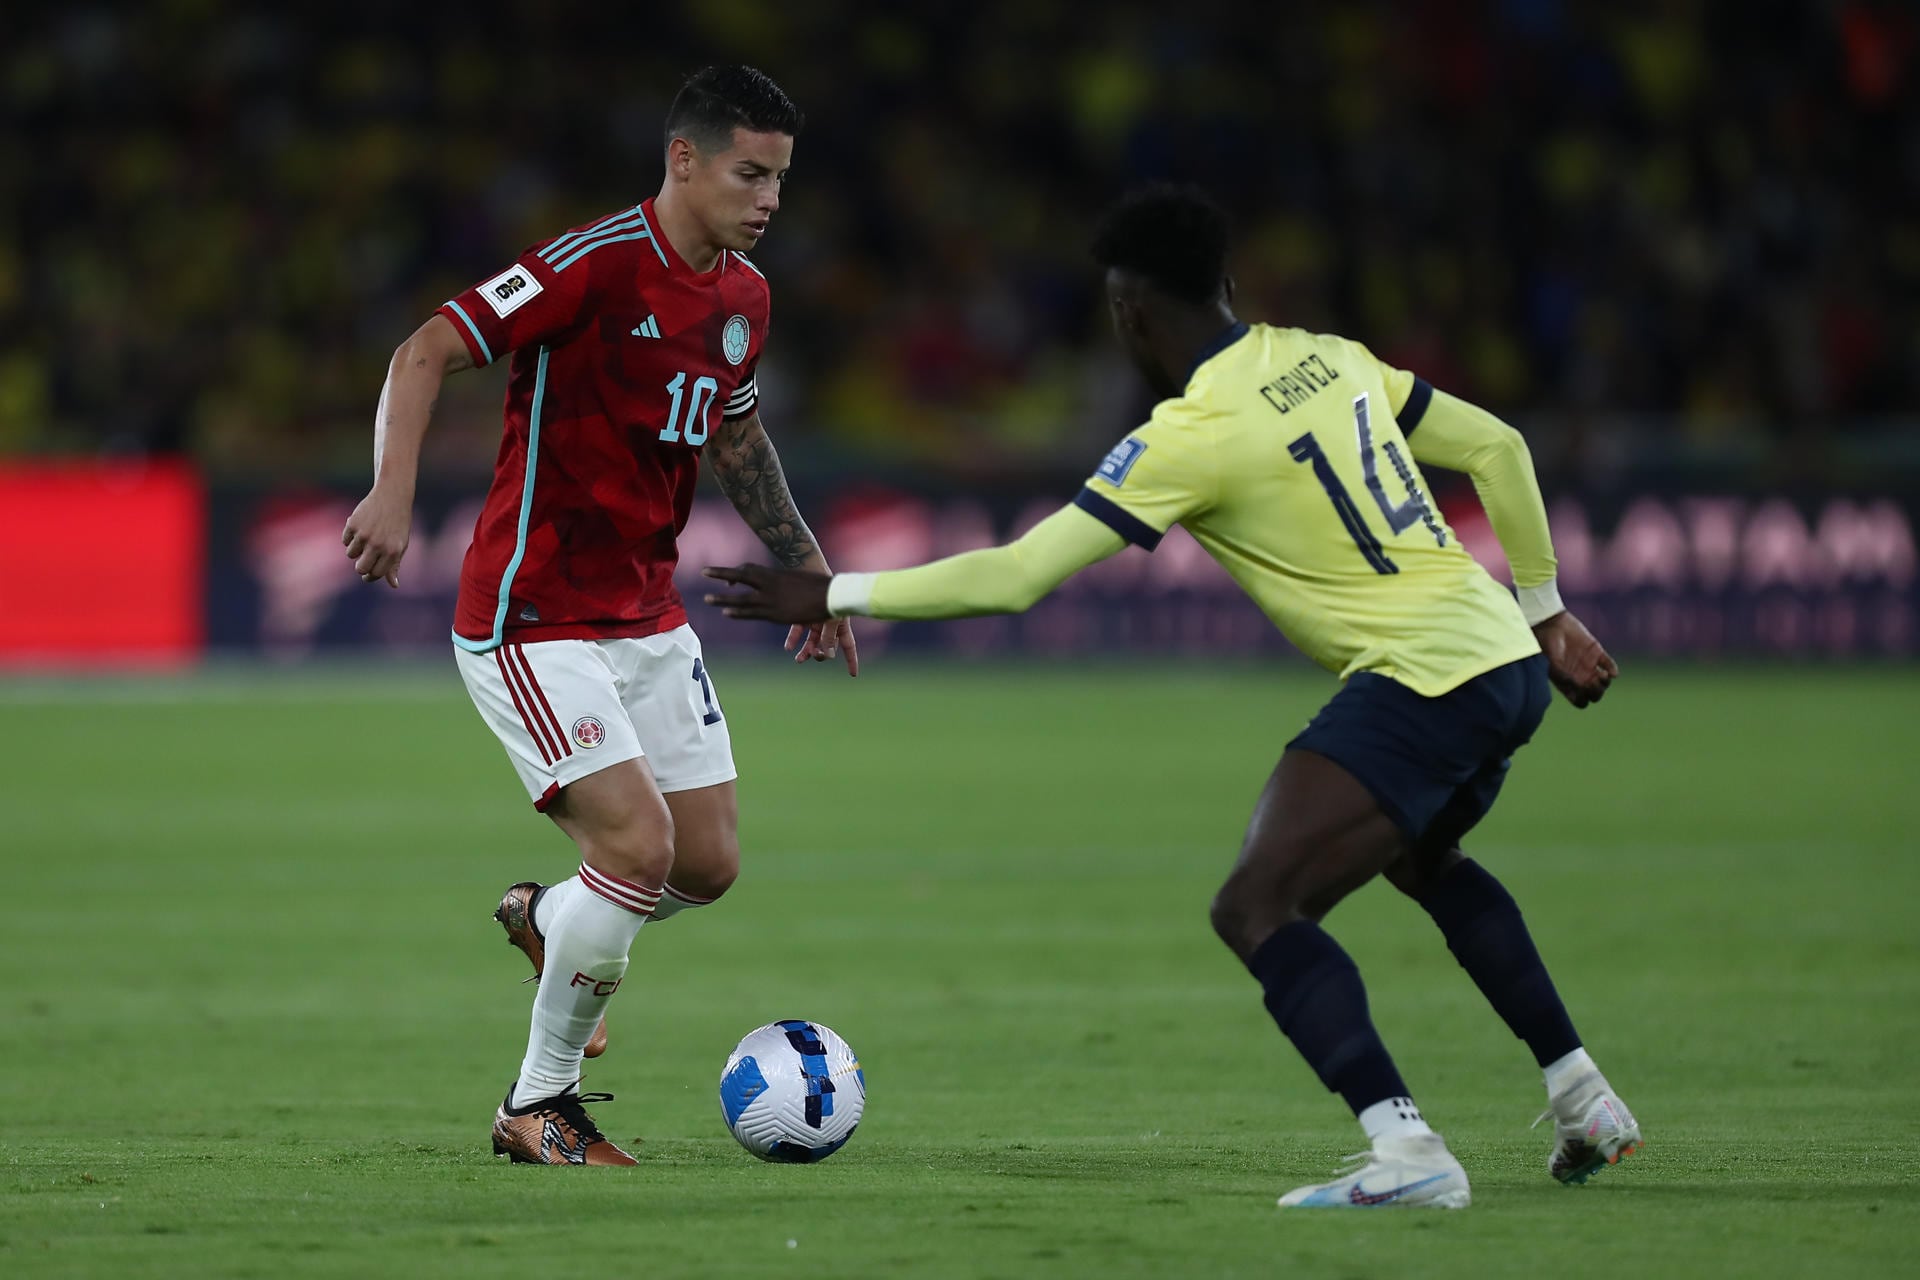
254, 1017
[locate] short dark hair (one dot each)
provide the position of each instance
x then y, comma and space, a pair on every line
1173, 236
716, 100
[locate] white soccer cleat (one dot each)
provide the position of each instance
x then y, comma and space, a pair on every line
1398, 1173
1592, 1129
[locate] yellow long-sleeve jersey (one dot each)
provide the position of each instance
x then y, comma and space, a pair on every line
1293, 458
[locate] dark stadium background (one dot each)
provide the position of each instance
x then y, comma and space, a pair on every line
1674, 242
254, 1015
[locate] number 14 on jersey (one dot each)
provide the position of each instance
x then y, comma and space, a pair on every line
1399, 517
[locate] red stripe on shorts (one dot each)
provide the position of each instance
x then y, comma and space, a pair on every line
535, 729
513, 691
566, 747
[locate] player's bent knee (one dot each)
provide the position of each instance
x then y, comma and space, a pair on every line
1252, 904
642, 864
707, 873
706, 854
1229, 920
640, 849
1416, 872
1244, 918
703, 888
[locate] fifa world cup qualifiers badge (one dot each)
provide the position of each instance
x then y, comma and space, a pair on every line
1120, 461
512, 289
733, 340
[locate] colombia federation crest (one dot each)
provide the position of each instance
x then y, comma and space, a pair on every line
733, 339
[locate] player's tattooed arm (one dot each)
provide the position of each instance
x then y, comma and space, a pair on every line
747, 467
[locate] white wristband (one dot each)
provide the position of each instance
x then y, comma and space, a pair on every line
849, 593
1537, 604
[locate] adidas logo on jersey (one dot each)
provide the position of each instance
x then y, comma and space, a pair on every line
651, 329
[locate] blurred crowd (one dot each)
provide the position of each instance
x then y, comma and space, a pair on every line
217, 220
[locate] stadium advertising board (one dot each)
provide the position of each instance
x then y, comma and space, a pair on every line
103, 563
1655, 574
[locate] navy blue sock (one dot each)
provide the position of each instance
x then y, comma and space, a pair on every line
1314, 992
1487, 936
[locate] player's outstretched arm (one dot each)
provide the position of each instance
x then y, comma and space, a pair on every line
377, 532
1464, 437
1007, 579
747, 468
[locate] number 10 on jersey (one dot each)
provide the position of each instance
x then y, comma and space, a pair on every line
699, 403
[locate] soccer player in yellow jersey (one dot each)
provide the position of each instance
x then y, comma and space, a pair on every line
1294, 458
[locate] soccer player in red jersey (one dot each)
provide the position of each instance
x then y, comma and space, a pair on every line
633, 341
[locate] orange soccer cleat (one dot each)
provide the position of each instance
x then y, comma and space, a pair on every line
554, 1131
515, 914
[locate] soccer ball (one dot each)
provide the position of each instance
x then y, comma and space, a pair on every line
792, 1092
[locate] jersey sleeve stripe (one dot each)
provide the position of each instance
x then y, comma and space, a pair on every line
1118, 519
624, 218
526, 516
1416, 407
600, 243
744, 400
486, 352
742, 260
662, 253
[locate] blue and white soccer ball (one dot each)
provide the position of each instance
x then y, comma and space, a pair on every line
792, 1092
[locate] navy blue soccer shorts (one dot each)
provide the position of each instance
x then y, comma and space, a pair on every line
1434, 764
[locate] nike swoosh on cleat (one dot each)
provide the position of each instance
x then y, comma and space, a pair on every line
1359, 1197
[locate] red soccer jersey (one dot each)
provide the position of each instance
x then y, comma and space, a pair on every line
623, 357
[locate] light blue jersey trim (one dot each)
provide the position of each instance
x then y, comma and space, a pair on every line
486, 352
552, 253
656, 243
741, 258
601, 243
526, 514
624, 218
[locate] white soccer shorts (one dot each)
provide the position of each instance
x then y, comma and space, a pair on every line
567, 708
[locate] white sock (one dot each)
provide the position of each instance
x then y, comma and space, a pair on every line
588, 938
1393, 1118
673, 902
1567, 1070
546, 909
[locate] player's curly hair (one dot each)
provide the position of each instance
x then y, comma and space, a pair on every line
1174, 236
716, 100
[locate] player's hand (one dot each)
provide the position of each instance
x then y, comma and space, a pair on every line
1579, 667
822, 640
377, 534
798, 596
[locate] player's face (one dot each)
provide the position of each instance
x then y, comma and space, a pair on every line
735, 192
1127, 303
